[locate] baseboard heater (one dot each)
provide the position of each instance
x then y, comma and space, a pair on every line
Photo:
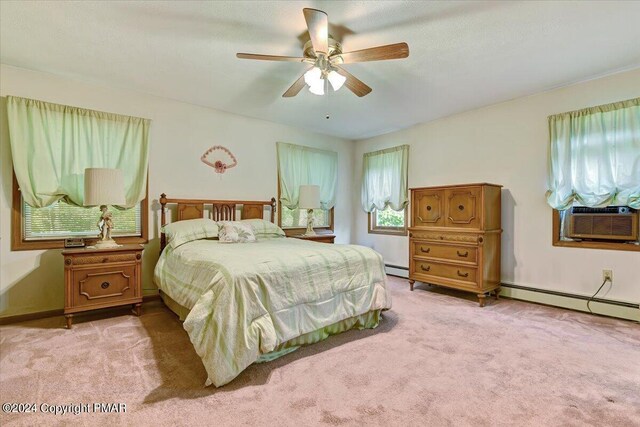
569, 295
550, 292
397, 267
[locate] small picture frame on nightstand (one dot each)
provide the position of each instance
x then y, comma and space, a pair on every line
74, 243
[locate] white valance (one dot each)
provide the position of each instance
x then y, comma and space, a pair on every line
384, 179
594, 156
52, 145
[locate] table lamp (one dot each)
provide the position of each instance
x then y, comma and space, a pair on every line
309, 199
104, 187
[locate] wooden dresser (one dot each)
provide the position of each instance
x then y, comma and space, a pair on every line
454, 238
101, 278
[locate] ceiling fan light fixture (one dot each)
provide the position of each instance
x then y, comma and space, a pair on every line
326, 55
313, 76
336, 80
317, 88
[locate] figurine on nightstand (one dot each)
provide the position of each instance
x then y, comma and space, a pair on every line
105, 224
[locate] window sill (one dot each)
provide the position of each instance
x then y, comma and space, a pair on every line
597, 245
32, 245
389, 231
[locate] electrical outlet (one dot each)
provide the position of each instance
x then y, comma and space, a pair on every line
607, 275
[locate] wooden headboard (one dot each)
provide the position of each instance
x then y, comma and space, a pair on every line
221, 210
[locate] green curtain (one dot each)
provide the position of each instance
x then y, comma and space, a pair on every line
52, 144
384, 179
299, 165
594, 156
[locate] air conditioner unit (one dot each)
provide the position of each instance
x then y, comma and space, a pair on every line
619, 223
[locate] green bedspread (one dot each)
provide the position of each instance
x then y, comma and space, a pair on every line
246, 299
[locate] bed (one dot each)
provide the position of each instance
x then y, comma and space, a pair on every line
244, 303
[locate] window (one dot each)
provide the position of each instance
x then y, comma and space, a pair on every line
51, 146
62, 220
594, 169
300, 165
388, 221
46, 228
297, 218
384, 190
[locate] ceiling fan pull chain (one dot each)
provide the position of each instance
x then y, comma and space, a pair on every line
326, 90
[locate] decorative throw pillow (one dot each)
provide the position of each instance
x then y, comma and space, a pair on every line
235, 232
181, 232
264, 229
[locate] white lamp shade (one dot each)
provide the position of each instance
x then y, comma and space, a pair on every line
309, 197
336, 80
103, 187
317, 88
312, 76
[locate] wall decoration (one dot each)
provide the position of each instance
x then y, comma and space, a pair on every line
218, 164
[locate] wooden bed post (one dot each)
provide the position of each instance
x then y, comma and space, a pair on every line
273, 209
163, 219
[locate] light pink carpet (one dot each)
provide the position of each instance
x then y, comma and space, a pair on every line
436, 359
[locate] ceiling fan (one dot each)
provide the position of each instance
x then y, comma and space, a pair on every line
325, 54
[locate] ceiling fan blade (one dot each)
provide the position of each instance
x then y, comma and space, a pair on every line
353, 84
379, 53
296, 87
318, 25
269, 57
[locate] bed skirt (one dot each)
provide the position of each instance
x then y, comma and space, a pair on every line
367, 320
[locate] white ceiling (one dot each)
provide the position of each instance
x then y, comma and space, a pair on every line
463, 54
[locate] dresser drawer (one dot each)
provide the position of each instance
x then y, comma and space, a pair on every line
447, 271
97, 286
446, 236
467, 254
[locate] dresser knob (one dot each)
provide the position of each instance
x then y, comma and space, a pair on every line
463, 274
105, 285
428, 207
425, 269
463, 255
461, 207
425, 251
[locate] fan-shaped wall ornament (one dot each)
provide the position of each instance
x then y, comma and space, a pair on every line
219, 165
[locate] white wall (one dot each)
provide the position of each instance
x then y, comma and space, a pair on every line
504, 143
507, 144
32, 281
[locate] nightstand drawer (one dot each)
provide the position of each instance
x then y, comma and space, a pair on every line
104, 258
97, 286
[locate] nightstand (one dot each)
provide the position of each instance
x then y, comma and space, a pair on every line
322, 238
102, 278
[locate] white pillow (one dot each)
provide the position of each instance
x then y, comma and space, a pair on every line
235, 232
264, 229
181, 232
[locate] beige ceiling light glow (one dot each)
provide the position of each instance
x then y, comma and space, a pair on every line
326, 57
